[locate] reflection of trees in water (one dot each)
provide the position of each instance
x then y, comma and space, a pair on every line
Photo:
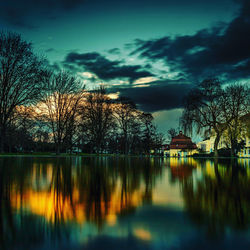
110, 186
219, 201
6, 218
93, 189
62, 188
95, 184
17, 226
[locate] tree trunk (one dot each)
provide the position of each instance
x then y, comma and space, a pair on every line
126, 147
233, 146
98, 146
126, 144
57, 148
216, 143
2, 140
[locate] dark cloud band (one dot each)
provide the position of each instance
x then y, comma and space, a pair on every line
104, 68
220, 51
161, 95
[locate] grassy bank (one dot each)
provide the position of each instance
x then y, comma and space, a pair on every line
49, 154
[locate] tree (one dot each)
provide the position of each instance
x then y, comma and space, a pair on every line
62, 97
41, 135
172, 132
20, 131
237, 106
126, 113
149, 137
203, 110
20, 76
97, 119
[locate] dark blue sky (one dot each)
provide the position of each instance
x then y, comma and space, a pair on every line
153, 51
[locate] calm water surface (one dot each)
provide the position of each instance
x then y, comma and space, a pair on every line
124, 203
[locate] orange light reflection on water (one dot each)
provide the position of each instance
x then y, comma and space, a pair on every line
54, 206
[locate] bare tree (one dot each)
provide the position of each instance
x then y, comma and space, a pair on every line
62, 97
20, 75
172, 132
126, 115
97, 119
203, 110
148, 133
19, 131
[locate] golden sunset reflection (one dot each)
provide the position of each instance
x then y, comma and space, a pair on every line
43, 198
46, 194
101, 194
142, 234
138, 199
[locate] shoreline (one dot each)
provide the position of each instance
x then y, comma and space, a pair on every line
53, 155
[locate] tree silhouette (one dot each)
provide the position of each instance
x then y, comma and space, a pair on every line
203, 109
61, 100
20, 78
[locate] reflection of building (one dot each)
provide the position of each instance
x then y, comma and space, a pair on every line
182, 168
182, 146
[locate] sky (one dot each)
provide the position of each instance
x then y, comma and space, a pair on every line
152, 51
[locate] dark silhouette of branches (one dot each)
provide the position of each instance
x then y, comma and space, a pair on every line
204, 110
237, 97
97, 119
20, 75
62, 97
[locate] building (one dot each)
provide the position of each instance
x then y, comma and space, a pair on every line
245, 152
165, 150
207, 146
182, 146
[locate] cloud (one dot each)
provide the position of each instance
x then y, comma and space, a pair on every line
23, 13
50, 50
114, 51
104, 68
145, 80
19, 13
156, 96
222, 50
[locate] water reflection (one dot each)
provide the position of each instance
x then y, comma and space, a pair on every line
146, 202
221, 199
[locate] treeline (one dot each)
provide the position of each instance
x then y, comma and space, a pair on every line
42, 110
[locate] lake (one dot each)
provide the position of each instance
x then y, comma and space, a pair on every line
124, 203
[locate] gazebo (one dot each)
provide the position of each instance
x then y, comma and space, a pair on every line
182, 146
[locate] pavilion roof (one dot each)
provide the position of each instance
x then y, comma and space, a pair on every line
182, 141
